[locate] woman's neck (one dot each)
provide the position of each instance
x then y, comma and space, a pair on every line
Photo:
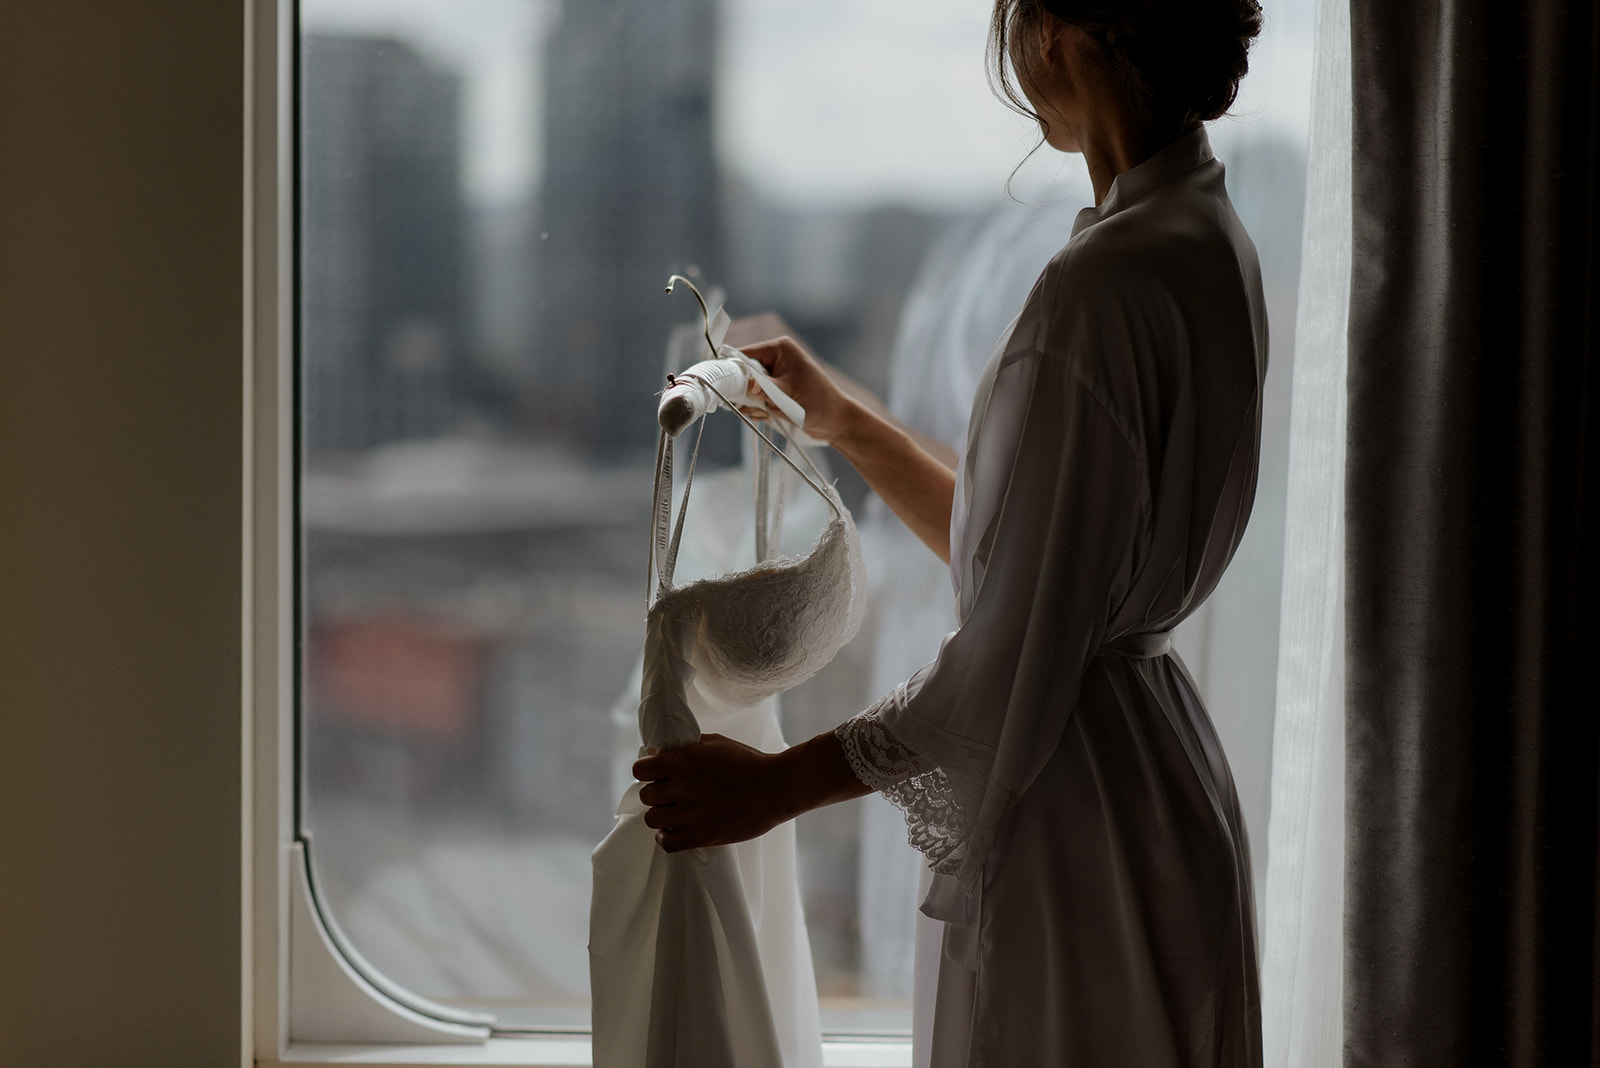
1113, 141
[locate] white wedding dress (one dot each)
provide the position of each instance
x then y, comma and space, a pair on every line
700, 959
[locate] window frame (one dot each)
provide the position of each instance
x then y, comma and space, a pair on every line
299, 960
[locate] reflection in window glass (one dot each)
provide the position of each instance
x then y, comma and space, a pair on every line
492, 193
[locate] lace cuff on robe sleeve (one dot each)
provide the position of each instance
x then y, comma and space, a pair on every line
938, 813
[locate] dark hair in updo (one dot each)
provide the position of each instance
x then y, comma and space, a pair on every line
1181, 60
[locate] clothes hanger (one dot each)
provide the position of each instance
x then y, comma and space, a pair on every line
735, 375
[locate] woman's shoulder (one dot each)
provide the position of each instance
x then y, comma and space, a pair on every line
1125, 301
1183, 231
1152, 259
1109, 286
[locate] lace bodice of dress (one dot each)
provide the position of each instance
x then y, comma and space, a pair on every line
772, 626
746, 635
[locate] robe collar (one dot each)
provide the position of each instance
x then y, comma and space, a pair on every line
1131, 186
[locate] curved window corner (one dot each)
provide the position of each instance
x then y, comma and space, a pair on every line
334, 996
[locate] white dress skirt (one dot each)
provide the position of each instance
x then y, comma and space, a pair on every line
700, 959
1054, 761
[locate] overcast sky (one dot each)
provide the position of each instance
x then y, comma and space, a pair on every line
830, 102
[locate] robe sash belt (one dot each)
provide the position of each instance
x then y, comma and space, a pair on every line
1144, 646
946, 899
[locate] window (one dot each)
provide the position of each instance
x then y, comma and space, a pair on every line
490, 197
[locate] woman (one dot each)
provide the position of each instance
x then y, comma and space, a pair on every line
1054, 760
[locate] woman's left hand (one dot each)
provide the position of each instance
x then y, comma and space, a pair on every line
714, 792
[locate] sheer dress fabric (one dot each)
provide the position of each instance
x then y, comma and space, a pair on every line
1054, 761
701, 959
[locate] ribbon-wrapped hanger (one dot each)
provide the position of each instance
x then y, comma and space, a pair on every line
701, 389
697, 391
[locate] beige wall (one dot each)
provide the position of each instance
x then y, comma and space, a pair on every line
120, 451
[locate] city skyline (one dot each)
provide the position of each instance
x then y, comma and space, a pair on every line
423, 314
845, 103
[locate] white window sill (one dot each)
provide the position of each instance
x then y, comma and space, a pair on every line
543, 1053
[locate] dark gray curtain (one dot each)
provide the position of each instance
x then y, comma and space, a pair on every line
1473, 685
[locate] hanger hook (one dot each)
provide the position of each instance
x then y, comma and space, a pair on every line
705, 312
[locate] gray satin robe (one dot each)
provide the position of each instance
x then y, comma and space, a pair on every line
1055, 761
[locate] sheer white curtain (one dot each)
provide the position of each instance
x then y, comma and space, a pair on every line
1302, 967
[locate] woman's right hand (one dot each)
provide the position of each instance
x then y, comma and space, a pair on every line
799, 373
802, 376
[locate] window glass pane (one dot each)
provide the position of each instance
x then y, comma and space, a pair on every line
492, 194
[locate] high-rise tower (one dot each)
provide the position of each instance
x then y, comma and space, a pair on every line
381, 243
629, 195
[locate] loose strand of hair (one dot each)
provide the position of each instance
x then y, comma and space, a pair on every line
997, 70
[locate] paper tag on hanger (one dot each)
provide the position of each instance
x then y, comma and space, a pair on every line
718, 328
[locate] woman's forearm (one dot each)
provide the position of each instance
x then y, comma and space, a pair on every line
915, 484
815, 773
719, 791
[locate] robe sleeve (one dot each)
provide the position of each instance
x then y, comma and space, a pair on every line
956, 744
